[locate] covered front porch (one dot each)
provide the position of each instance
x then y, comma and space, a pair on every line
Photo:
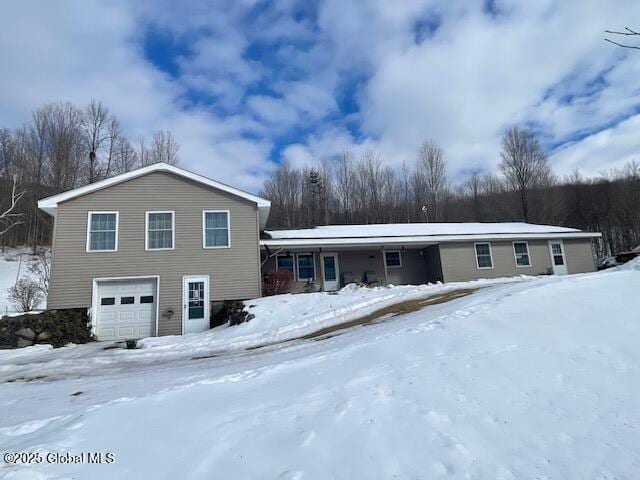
329, 268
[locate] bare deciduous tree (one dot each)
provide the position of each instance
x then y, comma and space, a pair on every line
164, 148
430, 179
524, 164
95, 132
41, 269
345, 181
25, 295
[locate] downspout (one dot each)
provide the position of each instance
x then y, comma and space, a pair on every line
259, 252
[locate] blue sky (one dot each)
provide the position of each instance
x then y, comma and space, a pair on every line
245, 85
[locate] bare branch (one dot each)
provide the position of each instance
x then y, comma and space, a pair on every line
8, 217
627, 33
622, 45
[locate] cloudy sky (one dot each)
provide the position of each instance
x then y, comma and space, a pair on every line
245, 84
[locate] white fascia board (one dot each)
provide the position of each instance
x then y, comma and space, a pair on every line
50, 204
352, 242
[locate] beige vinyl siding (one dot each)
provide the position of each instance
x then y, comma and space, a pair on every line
459, 262
357, 262
234, 272
413, 270
579, 255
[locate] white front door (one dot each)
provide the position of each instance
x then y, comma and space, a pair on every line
331, 271
558, 260
195, 304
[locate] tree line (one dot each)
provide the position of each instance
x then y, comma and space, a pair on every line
363, 190
61, 147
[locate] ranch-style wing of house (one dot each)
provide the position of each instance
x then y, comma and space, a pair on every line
153, 251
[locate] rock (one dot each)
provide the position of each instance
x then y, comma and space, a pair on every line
24, 343
26, 333
42, 336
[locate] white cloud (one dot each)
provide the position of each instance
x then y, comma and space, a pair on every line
599, 153
462, 84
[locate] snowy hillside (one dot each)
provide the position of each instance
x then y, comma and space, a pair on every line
532, 379
14, 263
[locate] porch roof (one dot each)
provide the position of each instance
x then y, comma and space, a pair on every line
414, 234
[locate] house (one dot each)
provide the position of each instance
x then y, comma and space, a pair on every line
328, 257
150, 251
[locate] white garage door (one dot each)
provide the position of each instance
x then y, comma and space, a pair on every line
126, 309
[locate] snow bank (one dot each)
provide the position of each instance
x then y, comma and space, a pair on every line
283, 317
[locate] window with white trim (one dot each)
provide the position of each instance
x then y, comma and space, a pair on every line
160, 233
392, 258
521, 252
306, 266
284, 262
215, 226
102, 232
483, 255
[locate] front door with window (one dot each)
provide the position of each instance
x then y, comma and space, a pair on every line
331, 273
558, 260
195, 304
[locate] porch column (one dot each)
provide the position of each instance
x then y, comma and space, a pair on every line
384, 264
321, 279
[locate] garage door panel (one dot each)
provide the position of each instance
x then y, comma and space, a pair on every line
132, 318
126, 332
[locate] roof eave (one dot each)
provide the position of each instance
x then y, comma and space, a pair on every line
376, 241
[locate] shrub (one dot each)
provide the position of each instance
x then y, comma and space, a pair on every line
56, 327
277, 282
26, 295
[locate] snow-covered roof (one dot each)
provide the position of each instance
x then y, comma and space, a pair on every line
50, 204
405, 233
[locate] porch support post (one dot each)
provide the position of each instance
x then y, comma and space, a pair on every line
384, 264
321, 270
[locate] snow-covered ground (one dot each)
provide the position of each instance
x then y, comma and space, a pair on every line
14, 264
277, 319
532, 379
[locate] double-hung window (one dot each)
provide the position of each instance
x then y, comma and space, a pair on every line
215, 229
102, 232
306, 267
392, 259
284, 262
483, 255
521, 252
160, 234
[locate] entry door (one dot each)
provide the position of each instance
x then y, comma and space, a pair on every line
331, 271
195, 300
558, 260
